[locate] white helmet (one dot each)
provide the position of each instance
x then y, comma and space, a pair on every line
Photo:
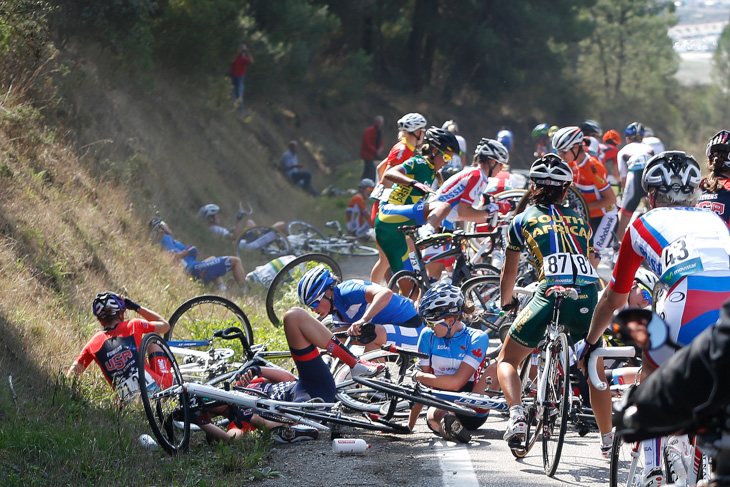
492, 149
366, 183
450, 124
551, 170
410, 122
567, 137
674, 174
646, 278
209, 210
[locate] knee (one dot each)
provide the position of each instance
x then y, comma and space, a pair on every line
294, 317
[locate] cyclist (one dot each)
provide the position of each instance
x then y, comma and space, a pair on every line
115, 347
590, 179
652, 140
356, 302
457, 354
211, 213
591, 136
211, 269
631, 159
406, 205
456, 161
542, 139
609, 151
716, 185
684, 246
551, 233
506, 138
411, 130
359, 222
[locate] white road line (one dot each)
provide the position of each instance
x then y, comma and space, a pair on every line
456, 467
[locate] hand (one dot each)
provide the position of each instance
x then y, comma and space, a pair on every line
244, 378
422, 187
583, 351
492, 208
129, 304
354, 329
512, 305
426, 230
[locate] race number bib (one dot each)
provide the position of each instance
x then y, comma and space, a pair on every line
128, 389
691, 254
565, 268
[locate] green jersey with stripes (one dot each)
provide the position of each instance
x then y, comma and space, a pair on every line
419, 169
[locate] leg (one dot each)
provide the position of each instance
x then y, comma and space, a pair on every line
280, 226
511, 356
302, 330
238, 273
377, 274
601, 402
368, 170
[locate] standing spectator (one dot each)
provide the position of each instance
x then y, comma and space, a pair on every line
289, 164
238, 73
370, 147
456, 161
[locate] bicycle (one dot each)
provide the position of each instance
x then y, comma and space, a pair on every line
265, 240
304, 237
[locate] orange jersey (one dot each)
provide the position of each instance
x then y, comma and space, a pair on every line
400, 153
357, 213
590, 178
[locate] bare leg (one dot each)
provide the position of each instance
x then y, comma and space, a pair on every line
302, 330
238, 273
601, 401
510, 358
377, 274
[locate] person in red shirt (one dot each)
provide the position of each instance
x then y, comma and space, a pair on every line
238, 73
370, 147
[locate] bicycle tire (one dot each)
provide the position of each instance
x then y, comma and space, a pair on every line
573, 200
274, 243
415, 395
417, 284
380, 425
556, 396
282, 295
298, 227
160, 411
350, 249
484, 292
205, 314
534, 421
627, 464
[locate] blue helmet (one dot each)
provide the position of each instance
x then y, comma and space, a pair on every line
505, 137
633, 129
106, 305
313, 285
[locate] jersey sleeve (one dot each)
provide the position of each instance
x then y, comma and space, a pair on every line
86, 356
600, 176
425, 340
626, 265
475, 355
515, 242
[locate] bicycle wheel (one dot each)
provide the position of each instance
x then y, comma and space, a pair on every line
534, 421
350, 248
412, 394
557, 396
202, 315
282, 293
266, 240
298, 227
376, 424
627, 463
407, 284
484, 293
573, 200
162, 408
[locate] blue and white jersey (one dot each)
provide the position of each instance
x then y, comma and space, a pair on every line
172, 245
350, 304
467, 346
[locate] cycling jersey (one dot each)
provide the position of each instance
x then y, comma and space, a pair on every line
419, 169
400, 153
350, 303
463, 187
206, 270
358, 219
172, 245
590, 179
445, 355
219, 231
503, 181
633, 157
608, 152
655, 143
719, 201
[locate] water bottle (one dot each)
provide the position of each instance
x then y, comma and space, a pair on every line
147, 442
349, 445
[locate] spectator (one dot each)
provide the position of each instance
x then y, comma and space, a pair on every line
238, 73
451, 126
359, 219
289, 164
211, 269
370, 147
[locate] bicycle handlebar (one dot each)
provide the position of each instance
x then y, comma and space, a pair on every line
404, 351
613, 352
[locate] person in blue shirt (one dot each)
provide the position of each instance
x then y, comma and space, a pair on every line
211, 269
355, 302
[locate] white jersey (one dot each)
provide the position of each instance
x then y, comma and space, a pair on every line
456, 160
633, 157
463, 187
219, 231
655, 144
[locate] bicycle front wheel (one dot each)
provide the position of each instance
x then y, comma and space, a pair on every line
282, 293
627, 463
407, 284
351, 249
266, 240
158, 372
557, 396
298, 227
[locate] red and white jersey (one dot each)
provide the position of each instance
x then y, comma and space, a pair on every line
463, 187
675, 242
501, 182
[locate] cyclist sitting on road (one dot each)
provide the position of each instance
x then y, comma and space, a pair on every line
631, 160
357, 302
211, 269
716, 185
359, 222
115, 348
457, 355
590, 178
553, 234
686, 247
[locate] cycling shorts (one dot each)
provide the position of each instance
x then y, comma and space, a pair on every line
401, 214
633, 192
692, 305
603, 227
404, 336
315, 378
211, 269
530, 324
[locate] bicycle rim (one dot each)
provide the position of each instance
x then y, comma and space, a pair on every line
627, 463
557, 396
298, 227
484, 293
162, 411
342, 420
266, 240
407, 284
282, 293
534, 425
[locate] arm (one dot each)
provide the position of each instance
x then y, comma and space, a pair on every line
609, 302
377, 297
447, 382
75, 370
608, 198
468, 213
509, 276
397, 175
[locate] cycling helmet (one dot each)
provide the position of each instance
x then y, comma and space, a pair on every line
720, 142
448, 171
591, 128
648, 132
451, 126
366, 183
410, 122
540, 131
505, 137
106, 305
155, 224
567, 137
492, 149
646, 278
441, 300
209, 210
313, 285
612, 136
633, 129
673, 173
552, 130
442, 140
551, 170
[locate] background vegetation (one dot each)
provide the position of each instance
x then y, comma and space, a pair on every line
113, 112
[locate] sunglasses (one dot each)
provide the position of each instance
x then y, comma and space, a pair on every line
447, 157
314, 304
434, 324
645, 293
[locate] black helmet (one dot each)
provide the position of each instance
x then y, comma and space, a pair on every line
448, 171
442, 139
591, 128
